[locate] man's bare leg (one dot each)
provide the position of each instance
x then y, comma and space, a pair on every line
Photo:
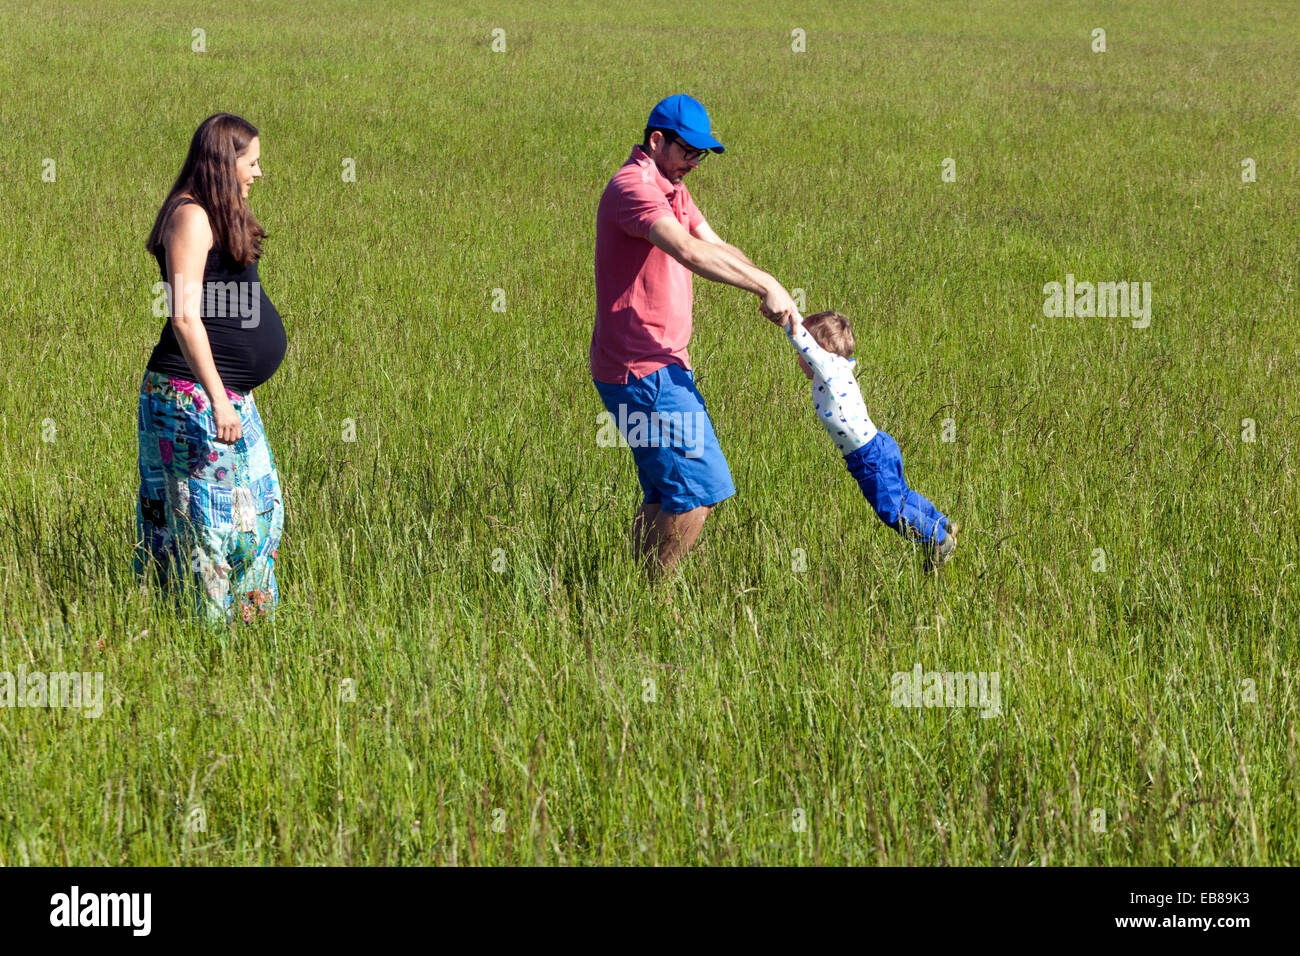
642, 525
670, 536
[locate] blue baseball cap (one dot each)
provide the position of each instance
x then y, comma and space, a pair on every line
686, 117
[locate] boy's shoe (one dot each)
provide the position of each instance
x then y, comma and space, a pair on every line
937, 555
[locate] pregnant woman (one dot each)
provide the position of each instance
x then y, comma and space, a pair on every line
209, 513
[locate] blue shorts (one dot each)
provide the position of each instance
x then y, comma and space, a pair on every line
678, 459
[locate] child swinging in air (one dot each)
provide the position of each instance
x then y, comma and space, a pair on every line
825, 344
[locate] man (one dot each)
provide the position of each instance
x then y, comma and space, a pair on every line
650, 238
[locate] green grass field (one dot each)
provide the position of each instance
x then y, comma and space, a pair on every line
1128, 558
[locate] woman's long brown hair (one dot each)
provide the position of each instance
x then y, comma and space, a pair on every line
209, 176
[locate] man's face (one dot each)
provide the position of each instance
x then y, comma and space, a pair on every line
670, 155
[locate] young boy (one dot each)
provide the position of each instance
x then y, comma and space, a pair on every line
825, 344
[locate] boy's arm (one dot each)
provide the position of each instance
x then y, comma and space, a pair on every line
817, 357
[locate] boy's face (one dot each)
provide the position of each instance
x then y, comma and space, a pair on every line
807, 369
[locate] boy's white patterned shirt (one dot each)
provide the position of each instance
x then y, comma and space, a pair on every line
836, 396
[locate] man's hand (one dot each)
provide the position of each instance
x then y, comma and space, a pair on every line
777, 305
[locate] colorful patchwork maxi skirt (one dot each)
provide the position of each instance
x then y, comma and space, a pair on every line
209, 514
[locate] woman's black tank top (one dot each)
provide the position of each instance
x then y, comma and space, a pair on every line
244, 328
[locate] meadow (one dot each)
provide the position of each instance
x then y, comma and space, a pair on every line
466, 666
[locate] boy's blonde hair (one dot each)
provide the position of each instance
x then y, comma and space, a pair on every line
831, 331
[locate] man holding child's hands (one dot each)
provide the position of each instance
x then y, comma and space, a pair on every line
650, 239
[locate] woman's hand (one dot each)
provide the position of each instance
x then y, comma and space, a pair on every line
229, 428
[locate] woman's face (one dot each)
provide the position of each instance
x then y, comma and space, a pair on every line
248, 165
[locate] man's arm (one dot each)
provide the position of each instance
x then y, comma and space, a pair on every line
705, 232
722, 263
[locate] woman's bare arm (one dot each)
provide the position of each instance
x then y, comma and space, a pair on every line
187, 240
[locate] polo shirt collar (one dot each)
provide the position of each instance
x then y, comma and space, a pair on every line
642, 159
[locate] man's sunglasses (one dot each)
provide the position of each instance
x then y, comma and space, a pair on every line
688, 151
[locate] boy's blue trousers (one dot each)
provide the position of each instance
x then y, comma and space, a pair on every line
878, 468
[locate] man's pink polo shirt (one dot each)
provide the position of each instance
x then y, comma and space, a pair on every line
643, 295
